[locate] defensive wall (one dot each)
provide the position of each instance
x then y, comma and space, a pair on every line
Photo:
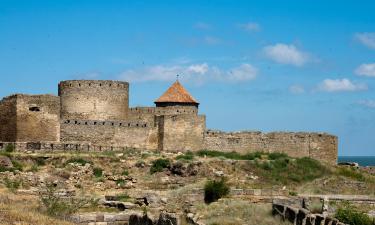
320, 146
98, 113
94, 100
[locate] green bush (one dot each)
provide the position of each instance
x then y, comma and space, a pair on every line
40, 161
98, 172
351, 173
80, 161
214, 190
277, 155
9, 148
187, 156
285, 170
159, 164
125, 172
12, 185
348, 214
230, 155
123, 197
57, 206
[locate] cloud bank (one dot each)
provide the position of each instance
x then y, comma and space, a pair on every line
196, 73
286, 54
367, 70
340, 85
367, 39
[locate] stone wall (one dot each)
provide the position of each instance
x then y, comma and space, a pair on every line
320, 146
300, 216
94, 100
181, 132
134, 134
8, 119
38, 118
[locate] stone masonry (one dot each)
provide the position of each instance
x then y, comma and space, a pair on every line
96, 114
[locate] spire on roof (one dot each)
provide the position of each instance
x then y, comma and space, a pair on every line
176, 94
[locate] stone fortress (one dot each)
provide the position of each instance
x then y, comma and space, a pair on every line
94, 115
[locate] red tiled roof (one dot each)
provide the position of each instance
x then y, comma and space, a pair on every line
176, 93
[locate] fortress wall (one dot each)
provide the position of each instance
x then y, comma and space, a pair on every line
94, 100
146, 114
320, 146
38, 118
135, 134
181, 132
8, 119
176, 110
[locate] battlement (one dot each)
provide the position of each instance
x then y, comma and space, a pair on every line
107, 123
109, 84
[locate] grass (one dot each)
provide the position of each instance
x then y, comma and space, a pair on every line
351, 173
284, 170
12, 185
188, 156
78, 160
159, 165
123, 197
236, 211
98, 172
214, 190
125, 172
14, 210
349, 214
229, 155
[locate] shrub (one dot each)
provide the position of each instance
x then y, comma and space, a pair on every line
12, 185
125, 172
351, 173
55, 205
229, 155
120, 182
17, 165
9, 148
40, 161
214, 190
348, 214
122, 197
80, 161
159, 164
187, 156
34, 168
98, 172
285, 170
277, 155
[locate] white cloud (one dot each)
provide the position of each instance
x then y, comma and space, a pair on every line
367, 103
242, 73
366, 70
286, 54
340, 85
367, 39
197, 73
297, 89
250, 26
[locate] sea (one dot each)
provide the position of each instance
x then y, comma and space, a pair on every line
361, 160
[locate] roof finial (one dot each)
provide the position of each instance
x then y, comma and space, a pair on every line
177, 76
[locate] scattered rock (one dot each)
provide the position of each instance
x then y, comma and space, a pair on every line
219, 173
5, 162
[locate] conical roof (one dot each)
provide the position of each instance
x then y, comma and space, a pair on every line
176, 94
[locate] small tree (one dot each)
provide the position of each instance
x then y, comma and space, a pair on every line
214, 190
348, 214
159, 164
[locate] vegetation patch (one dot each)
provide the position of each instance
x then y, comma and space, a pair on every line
188, 156
12, 185
230, 155
285, 170
349, 214
214, 190
159, 165
351, 173
80, 161
123, 197
98, 172
125, 172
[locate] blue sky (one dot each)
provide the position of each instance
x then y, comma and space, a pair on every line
253, 65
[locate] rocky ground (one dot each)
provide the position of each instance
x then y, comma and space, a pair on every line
144, 182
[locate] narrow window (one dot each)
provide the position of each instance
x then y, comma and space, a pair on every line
34, 109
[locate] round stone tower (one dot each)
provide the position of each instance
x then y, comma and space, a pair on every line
94, 99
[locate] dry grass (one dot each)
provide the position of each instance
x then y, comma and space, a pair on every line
23, 210
237, 212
